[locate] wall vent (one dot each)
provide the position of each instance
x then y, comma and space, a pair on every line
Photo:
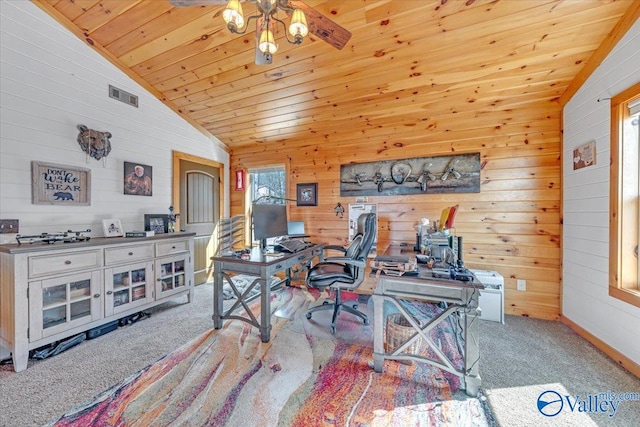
123, 96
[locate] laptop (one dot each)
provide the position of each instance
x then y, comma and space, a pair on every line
295, 230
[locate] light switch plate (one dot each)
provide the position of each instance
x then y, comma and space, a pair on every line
9, 226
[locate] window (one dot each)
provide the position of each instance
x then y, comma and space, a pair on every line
268, 182
624, 270
266, 185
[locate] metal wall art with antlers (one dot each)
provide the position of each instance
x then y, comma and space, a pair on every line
441, 174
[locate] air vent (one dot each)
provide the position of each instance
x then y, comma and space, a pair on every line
123, 96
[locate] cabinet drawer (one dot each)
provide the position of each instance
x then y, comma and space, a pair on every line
62, 263
168, 248
128, 253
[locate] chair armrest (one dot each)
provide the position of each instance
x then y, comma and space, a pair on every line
335, 248
355, 262
341, 259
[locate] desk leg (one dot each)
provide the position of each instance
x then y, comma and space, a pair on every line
265, 308
472, 353
217, 296
288, 282
378, 332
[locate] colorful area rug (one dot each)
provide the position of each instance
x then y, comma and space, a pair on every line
303, 377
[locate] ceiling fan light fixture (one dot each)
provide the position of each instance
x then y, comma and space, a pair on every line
233, 16
267, 43
298, 27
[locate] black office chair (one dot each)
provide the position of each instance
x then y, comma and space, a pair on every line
345, 272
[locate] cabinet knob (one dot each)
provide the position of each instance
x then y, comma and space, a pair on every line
130, 253
96, 295
109, 292
173, 247
67, 262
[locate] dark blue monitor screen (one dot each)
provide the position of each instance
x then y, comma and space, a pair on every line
269, 221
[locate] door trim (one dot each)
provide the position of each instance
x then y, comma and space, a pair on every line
177, 173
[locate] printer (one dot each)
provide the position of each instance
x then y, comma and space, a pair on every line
491, 300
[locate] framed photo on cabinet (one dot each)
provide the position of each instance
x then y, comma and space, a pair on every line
112, 228
159, 223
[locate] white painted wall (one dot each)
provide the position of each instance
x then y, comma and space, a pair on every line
585, 289
50, 81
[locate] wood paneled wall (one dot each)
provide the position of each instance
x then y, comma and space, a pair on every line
512, 226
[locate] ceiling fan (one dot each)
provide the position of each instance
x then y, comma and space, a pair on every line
266, 20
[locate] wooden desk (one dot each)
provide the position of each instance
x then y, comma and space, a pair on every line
263, 266
460, 297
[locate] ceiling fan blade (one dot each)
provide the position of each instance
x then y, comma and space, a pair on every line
323, 27
187, 3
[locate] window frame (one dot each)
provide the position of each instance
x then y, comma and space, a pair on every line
281, 167
624, 209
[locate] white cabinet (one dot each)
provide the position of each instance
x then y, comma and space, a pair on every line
170, 275
51, 292
56, 305
127, 286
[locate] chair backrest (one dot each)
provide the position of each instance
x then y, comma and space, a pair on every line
367, 229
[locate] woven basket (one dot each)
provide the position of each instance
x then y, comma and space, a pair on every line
398, 331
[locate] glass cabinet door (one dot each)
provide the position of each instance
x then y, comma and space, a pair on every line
171, 275
128, 286
63, 303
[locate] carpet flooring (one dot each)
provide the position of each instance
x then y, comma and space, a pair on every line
303, 377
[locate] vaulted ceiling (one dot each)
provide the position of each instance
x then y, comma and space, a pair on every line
406, 62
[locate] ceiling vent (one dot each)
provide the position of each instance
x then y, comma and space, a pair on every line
123, 96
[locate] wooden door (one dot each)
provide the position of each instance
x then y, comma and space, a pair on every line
199, 195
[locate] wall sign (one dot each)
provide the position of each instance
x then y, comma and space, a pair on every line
53, 184
584, 156
458, 173
239, 179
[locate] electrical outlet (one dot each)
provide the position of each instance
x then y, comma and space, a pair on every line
8, 226
521, 285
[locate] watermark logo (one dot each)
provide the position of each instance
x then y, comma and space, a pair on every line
550, 403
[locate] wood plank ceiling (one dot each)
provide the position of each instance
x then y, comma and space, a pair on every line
407, 61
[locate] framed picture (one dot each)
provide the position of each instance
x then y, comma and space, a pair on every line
138, 179
307, 194
584, 156
112, 228
53, 184
156, 222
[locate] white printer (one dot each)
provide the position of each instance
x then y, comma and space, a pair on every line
491, 300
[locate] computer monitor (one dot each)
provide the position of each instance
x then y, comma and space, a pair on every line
295, 228
269, 221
